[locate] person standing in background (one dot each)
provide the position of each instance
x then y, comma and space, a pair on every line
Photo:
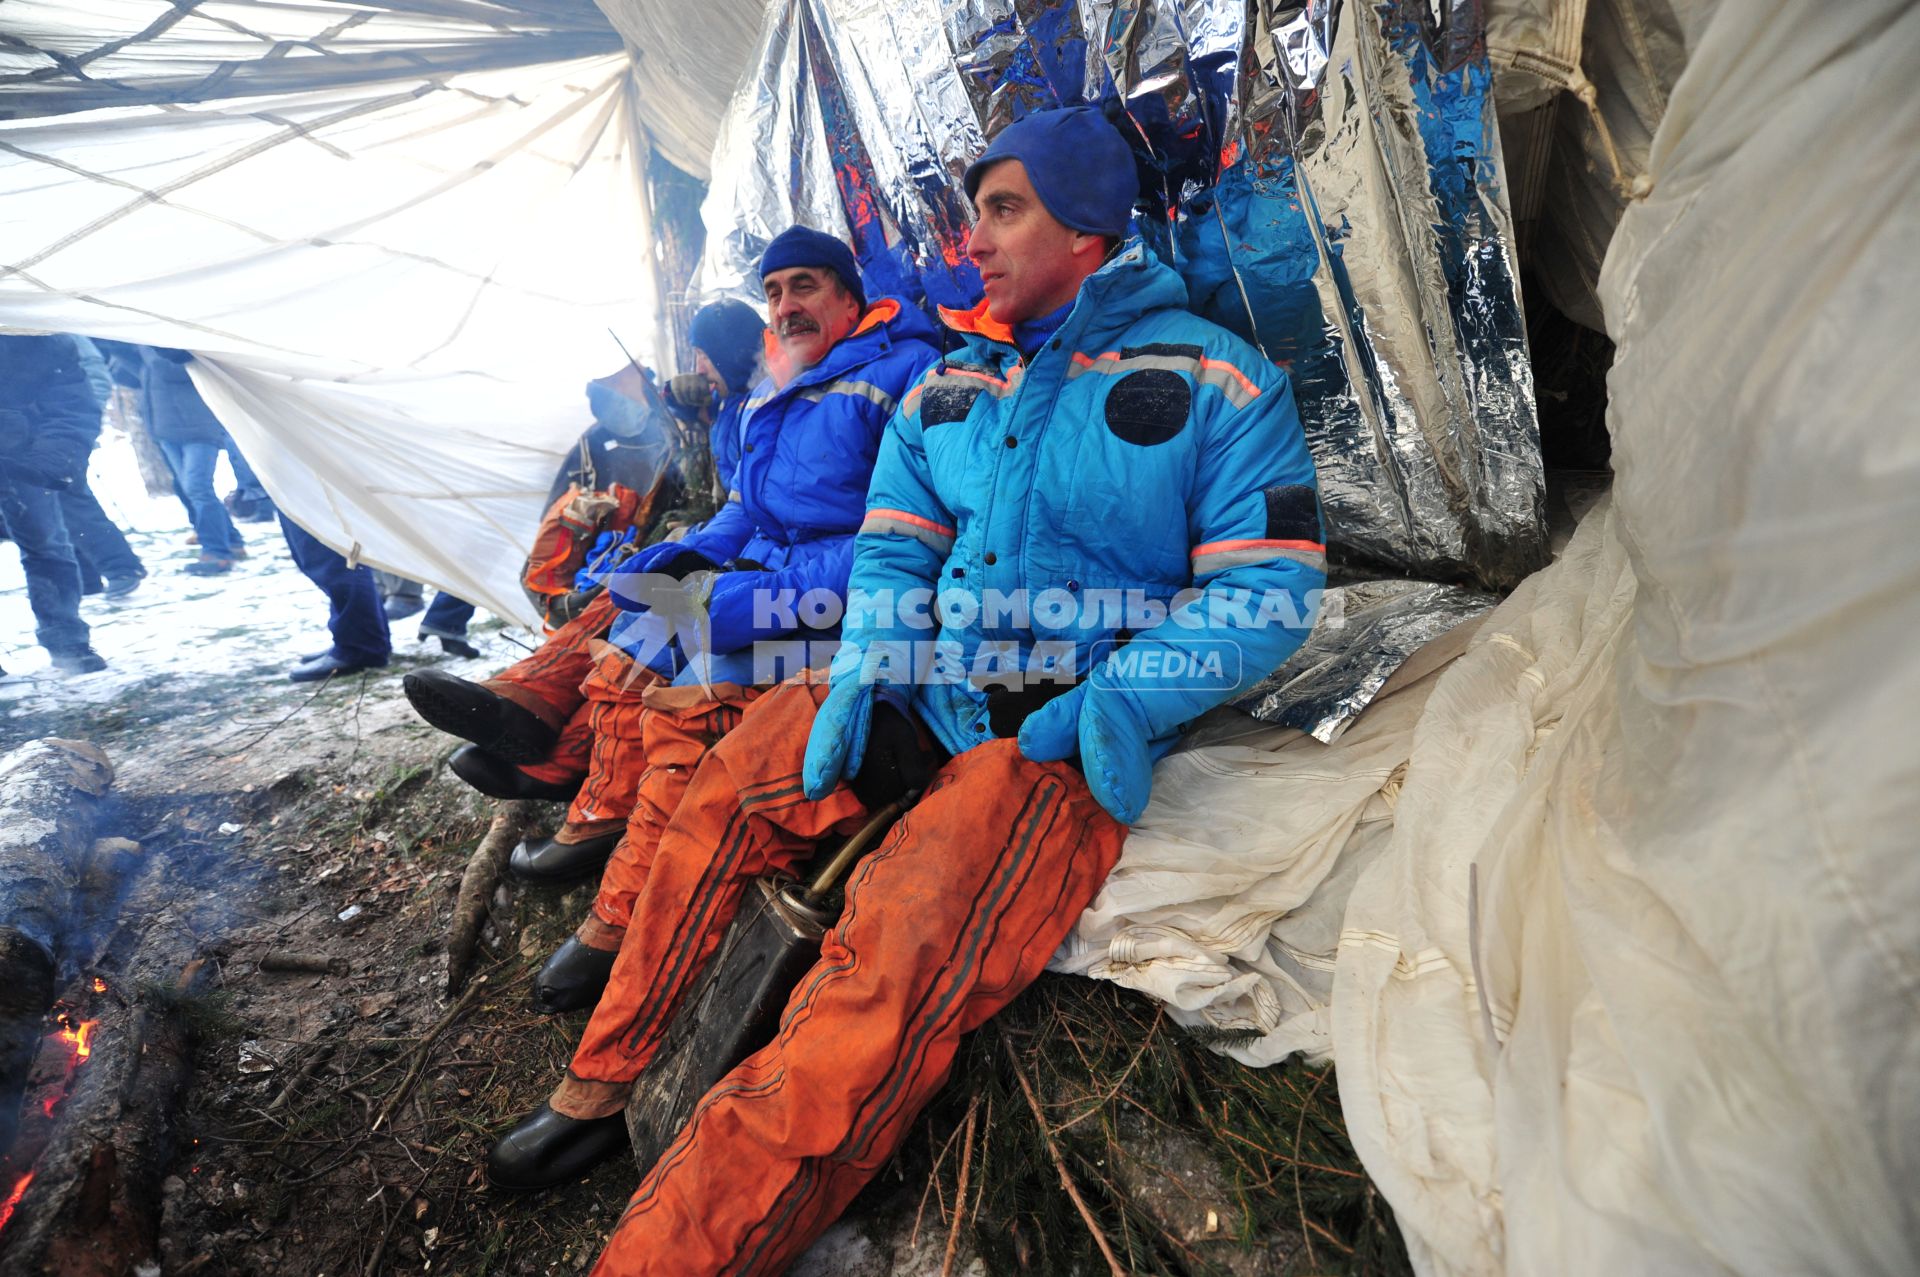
354, 616
107, 562
192, 438
48, 422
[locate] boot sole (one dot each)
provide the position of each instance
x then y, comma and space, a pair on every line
508, 742
529, 789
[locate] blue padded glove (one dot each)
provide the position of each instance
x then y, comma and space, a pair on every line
600, 559
1111, 735
838, 743
631, 584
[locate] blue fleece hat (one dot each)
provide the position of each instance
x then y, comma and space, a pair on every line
728, 333
804, 246
1080, 167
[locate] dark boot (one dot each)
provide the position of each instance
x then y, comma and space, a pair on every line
453, 645
79, 660
548, 862
547, 1149
476, 713
573, 978
328, 665
497, 778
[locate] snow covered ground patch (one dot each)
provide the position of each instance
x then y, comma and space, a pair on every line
211, 650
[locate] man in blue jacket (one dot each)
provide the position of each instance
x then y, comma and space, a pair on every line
1091, 525
744, 584
538, 729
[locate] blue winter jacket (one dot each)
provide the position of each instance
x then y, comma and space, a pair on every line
49, 418
171, 404
1135, 500
806, 453
723, 437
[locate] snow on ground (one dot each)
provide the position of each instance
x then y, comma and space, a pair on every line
211, 649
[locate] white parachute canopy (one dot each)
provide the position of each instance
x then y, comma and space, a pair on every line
398, 254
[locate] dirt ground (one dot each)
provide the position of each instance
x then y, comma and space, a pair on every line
322, 820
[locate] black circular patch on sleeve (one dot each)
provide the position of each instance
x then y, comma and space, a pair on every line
1149, 406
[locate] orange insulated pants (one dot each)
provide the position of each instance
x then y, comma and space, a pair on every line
956, 911
680, 725
615, 712
546, 682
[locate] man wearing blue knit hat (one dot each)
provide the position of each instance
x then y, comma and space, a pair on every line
1112, 504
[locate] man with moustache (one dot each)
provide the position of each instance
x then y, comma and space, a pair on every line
807, 440
1091, 436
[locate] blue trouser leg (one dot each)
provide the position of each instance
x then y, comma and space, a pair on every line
193, 465
32, 518
243, 476
96, 540
446, 615
354, 617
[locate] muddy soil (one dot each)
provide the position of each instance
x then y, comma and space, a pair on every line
322, 820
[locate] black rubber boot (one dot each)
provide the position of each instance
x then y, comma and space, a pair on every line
547, 1149
573, 978
497, 778
466, 709
543, 862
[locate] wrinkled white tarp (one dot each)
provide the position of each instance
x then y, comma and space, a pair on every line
1636, 985
399, 288
686, 62
1628, 979
1581, 87
1227, 900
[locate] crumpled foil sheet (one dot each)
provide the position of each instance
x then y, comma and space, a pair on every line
1326, 176
1366, 631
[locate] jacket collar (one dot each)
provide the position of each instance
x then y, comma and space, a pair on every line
881, 324
1132, 283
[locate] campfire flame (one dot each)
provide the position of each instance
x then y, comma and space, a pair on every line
13, 1199
99, 985
77, 1034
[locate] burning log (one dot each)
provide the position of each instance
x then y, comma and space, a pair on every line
48, 793
86, 1172
90, 1204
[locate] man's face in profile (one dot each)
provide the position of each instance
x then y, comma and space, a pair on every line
1029, 263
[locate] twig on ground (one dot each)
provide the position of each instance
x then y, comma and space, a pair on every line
1307, 1229
960, 1193
933, 1182
308, 963
424, 1050
386, 1235
1060, 1163
1102, 1101
320, 1054
289, 717
484, 868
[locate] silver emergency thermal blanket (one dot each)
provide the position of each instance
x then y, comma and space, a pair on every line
1326, 177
